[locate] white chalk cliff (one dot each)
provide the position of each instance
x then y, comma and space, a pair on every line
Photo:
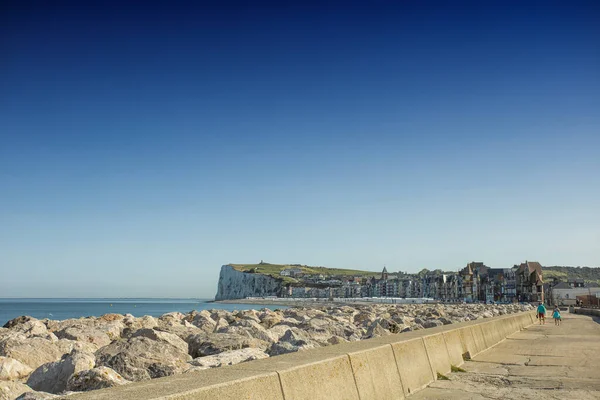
234, 284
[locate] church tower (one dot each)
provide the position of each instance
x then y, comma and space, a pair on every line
384, 274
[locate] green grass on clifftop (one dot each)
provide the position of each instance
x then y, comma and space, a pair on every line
275, 269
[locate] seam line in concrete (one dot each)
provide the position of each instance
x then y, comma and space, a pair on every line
280, 385
470, 332
353, 376
397, 370
434, 373
447, 351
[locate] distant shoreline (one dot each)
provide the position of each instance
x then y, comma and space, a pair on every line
312, 302
277, 302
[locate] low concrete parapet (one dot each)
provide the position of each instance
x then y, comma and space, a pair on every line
587, 311
388, 367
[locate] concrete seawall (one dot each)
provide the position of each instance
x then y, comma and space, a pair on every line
587, 311
389, 367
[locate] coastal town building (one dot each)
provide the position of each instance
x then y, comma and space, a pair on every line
293, 272
476, 282
567, 293
529, 282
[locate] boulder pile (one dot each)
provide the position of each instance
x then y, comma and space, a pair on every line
44, 358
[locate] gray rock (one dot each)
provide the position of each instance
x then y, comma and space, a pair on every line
96, 378
296, 336
231, 357
18, 321
336, 340
255, 330
364, 318
165, 337
85, 333
215, 314
293, 340
33, 351
287, 347
432, 323
184, 332
203, 321
269, 319
52, 377
220, 324
28, 326
208, 344
376, 330
142, 358
11, 369
132, 324
172, 317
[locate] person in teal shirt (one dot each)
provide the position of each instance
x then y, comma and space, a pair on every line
556, 315
541, 310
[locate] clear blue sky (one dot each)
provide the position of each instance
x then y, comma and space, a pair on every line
144, 145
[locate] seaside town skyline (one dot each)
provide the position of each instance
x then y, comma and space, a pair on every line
475, 283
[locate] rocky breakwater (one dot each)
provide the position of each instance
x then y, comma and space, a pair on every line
40, 359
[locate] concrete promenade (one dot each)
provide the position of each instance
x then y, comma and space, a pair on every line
540, 362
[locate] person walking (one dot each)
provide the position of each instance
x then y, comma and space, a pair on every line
556, 316
541, 311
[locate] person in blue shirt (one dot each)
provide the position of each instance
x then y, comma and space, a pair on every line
541, 311
556, 316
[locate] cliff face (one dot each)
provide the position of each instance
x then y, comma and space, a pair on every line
238, 285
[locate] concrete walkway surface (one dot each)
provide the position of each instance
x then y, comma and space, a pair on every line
540, 362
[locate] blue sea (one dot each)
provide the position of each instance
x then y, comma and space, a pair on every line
75, 308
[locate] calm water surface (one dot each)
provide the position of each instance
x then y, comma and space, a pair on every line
75, 308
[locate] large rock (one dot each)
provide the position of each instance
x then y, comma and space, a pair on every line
10, 390
53, 377
376, 330
160, 336
269, 318
278, 331
85, 333
33, 351
140, 358
83, 329
319, 328
11, 369
184, 332
287, 347
229, 358
172, 317
28, 326
255, 330
18, 321
293, 340
111, 317
202, 320
208, 344
295, 336
220, 324
96, 378
364, 318
132, 324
